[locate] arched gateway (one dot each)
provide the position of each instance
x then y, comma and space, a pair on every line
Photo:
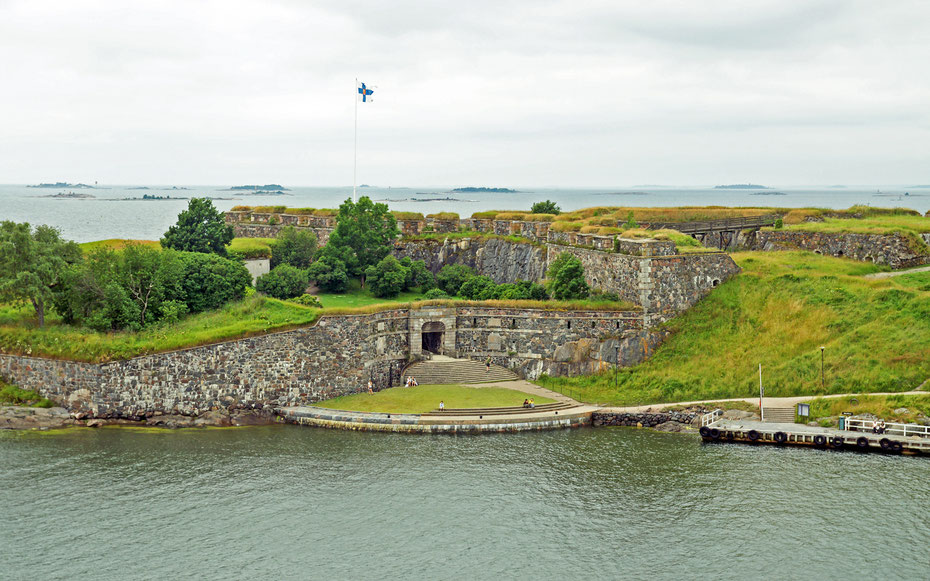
432, 330
432, 335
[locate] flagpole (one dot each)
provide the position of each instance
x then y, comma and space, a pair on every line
355, 163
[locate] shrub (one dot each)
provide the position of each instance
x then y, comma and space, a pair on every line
566, 278
387, 278
172, 311
779, 224
452, 276
435, 293
307, 301
329, 273
547, 207
417, 275
294, 247
630, 221
283, 282
478, 288
210, 281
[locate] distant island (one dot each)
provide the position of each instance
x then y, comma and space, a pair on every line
473, 190
741, 187
173, 188
64, 185
70, 196
151, 198
266, 193
265, 187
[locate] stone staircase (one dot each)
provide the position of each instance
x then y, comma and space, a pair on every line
442, 369
779, 415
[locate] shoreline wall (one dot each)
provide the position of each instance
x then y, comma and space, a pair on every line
336, 356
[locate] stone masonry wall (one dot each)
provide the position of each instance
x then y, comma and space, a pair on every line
894, 250
502, 260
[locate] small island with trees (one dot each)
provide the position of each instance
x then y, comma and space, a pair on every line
264, 188
482, 190
64, 185
741, 187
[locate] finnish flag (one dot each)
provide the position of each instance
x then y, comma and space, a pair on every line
365, 92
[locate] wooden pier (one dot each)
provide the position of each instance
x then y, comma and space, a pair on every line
716, 429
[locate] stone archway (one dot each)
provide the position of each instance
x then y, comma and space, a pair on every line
432, 334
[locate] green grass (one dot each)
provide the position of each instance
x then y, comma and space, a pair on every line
426, 398
905, 225
116, 244
882, 406
12, 395
778, 312
253, 315
356, 297
250, 248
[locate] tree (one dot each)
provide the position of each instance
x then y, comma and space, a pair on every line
294, 247
200, 228
32, 263
150, 276
329, 273
566, 278
417, 274
283, 282
631, 221
451, 277
386, 279
211, 281
477, 288
547, 207
364, 234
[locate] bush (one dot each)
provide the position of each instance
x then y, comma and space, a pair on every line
387, 278
330, 274
307, 301
210, 281
435, 293
452, 276
478, 288
172, 311
779, 224
566, 278
547, 207
200, 228
417, 275
294, 247
283, 282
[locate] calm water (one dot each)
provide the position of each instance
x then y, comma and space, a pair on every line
109, 217
291, 502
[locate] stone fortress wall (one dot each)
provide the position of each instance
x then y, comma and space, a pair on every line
336, 356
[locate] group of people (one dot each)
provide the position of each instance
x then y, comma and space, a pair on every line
878, 427
529, 403
411, 382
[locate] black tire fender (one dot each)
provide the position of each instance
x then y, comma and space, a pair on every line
753, 435
714, 433
885, 443
837, 442
820, 440
862, 442
897, 446
781, 437
704, 431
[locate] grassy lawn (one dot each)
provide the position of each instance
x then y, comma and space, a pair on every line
426, 398
883, 406
251, 316
778, 312
116, 244
356, 297
250, 247
905, 225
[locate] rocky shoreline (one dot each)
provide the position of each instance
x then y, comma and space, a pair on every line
688, 419
28, 418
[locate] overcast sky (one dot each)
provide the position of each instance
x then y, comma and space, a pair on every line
498, 93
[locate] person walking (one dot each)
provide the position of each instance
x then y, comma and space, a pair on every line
487, 364
371, 387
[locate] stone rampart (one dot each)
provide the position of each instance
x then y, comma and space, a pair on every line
895, 250
502, 260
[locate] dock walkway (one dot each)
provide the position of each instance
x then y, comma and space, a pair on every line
784, 434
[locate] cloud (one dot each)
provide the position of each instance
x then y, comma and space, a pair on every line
517, 92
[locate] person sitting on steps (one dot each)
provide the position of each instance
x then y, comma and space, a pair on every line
526, 403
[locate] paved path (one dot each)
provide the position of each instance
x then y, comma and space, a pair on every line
527, 387
768, 402
897, 272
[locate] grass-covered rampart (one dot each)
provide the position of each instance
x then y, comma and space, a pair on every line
778, 312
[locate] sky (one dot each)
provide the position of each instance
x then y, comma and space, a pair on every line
495, 93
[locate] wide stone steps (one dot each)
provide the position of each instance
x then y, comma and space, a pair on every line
456, 371
781, 415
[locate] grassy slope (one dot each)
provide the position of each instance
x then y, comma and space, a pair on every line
425, 398
873, 225
883, 406
778, 312
250, 247
116, 244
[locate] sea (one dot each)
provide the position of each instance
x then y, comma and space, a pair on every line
118, 211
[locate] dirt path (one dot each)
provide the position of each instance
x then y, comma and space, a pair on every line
767, 402
897, 272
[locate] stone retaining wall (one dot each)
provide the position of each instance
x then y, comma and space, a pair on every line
670, 421
502, 260
895, 250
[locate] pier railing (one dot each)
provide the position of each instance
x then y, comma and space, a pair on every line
859, 425
711, 417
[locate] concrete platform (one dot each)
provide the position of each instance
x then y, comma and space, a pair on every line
784, 434
436, 423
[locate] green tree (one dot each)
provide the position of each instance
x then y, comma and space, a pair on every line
32, 263
294, 247
211, 281
631, 221
150, 276
451, 277
283, 282
364, 234
566, 278
329, 273
387, 278
200, 228
547, 207
417, 275
477, 288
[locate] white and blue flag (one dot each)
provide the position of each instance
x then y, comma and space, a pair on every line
365, 92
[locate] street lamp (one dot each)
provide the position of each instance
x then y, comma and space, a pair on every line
821, 369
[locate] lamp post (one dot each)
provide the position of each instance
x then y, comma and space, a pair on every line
821, 369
